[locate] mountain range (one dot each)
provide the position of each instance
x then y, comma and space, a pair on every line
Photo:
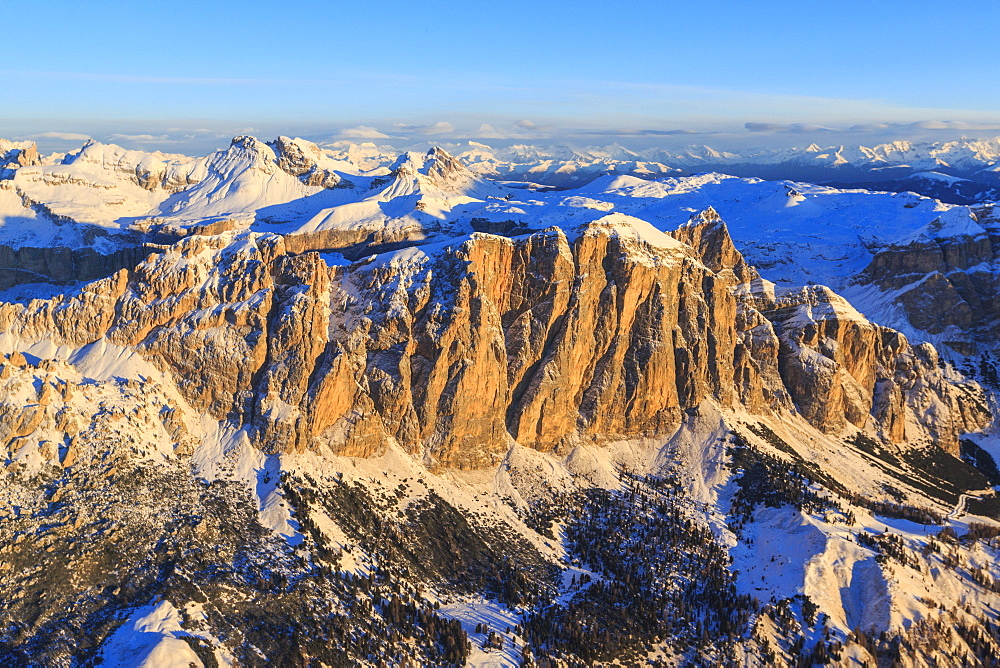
959, 172
288, 404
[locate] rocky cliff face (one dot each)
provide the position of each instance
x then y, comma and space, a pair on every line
301, 158
457, 351
62, 265
946, 280
707, 234
15, 154
839, 368
842, 370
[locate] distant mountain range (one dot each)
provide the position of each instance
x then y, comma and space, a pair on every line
965, 171
960, 172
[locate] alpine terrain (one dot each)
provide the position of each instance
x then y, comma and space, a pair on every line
291, 404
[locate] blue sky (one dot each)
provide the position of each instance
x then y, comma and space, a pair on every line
524, 69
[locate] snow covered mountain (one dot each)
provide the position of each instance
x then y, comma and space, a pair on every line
558, 166
287, 404
959, 172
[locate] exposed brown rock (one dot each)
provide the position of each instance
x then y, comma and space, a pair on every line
841, 369
708, 235
62, 265
24, 155
299, 159
542, 340
945, 284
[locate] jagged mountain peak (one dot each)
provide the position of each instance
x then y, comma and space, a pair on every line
707, 216
238, 182
297, 146
437, 174
708, 234
14, 154
10, 144
435, 158
245, 152
441, 167
305, 160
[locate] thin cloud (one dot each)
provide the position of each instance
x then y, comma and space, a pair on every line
487, 131
362, 132
188, 132
141, 138
869, 127
635, 132
953, 125
528, 129
793, 128
145, 79
439, 128
66, 136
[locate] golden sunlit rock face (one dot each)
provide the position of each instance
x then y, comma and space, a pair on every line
542, 340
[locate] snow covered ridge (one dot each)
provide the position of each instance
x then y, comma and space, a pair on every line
106, 198
404, 414
962, 171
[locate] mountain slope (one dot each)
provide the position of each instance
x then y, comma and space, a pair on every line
425, 418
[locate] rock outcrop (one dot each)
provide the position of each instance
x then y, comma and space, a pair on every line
842, 369
946, 280
62, 265
14, 154
301, 159
547, 340
707, 234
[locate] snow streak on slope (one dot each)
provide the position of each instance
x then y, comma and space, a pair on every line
238, 182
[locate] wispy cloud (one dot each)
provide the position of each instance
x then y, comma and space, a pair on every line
342, 78
439, 128
953, 125
526, 124
645, 132
141, 79
141, 138
792, 128
66, 136
362, 132
870, 127
526, 128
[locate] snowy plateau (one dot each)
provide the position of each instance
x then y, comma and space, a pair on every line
303, 405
